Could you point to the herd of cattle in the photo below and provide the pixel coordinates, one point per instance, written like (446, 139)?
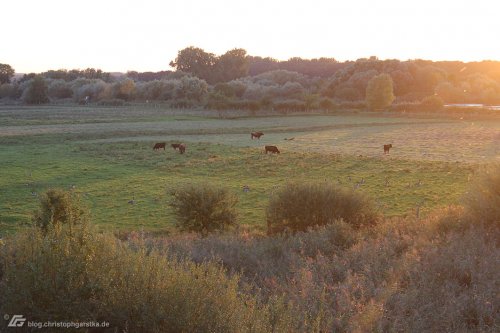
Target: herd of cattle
(271, 149)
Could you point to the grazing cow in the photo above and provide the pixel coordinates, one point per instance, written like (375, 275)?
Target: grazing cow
(175, 145)
(272, 149)
(182, 148)
(256, 135)
(159, 145)
(386, 148)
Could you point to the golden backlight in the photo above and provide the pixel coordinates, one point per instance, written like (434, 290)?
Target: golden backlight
(145, 35)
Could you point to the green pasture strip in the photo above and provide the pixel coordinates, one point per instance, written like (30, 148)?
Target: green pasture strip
(109, 175)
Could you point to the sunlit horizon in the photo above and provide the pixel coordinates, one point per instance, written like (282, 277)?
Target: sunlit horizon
(121, 36)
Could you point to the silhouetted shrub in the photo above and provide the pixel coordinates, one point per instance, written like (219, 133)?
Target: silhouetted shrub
(204, 208)
(482, 201)
(299, 206)
(58, 207)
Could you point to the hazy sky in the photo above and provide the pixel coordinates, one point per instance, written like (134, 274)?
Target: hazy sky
(146, 35)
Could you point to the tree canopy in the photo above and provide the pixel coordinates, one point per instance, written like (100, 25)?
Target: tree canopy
(6, 72)
(379, 92)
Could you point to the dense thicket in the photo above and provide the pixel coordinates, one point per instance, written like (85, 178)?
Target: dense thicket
(235, 80)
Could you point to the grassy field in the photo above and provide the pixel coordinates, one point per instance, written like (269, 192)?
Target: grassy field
(105, 155)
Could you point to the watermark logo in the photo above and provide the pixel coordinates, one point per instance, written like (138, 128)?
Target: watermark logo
(16, 321)
(20, 321)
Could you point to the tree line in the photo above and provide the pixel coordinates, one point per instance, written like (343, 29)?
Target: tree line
(236, 80)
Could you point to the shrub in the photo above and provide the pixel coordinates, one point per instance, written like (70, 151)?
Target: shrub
(58, 207)
(9, 90)
(37, 91)
(204, 208)
(482, 201)
(432, 103)
(327, 104)
(446, 287)
(299, 206)
(446, 220)
(87, 276)
(60, 89)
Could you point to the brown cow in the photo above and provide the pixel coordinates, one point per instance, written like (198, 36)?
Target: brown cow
(182, 148)
(272, 149)
(256, 135)
(386, 148)
(175, 145)
(159, 145)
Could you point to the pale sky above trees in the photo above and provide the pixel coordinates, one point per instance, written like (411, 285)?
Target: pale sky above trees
(146, 35)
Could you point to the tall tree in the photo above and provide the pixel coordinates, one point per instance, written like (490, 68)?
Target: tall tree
(231, 65)
(379, 92)
(195, 61)
(6, 72)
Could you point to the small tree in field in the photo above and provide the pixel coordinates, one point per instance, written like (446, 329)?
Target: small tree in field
(204, 208)
(57, 208)
(379, 92)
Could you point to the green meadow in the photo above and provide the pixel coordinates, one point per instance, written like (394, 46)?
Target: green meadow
(105, 155)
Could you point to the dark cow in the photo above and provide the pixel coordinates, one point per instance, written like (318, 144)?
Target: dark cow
(272, 149)
(256, 135)
(175, 145)
(386, 148)
(159, 145)
(182, 148)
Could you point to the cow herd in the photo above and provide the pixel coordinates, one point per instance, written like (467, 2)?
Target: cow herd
(177, 146)
(267, 149)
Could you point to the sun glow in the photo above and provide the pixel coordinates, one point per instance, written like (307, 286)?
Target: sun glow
(130, 35)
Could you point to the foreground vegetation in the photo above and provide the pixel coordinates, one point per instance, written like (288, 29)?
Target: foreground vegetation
(425, 275)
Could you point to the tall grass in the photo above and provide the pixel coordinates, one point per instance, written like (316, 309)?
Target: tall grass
(84, 275)
(482, 201)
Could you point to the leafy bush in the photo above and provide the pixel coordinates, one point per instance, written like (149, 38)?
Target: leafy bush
(86, 276)
(204, 208)
(58, 207)
(36, 92)
(9, 90)
(299, 206)
(59, 89)
(482, 201)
